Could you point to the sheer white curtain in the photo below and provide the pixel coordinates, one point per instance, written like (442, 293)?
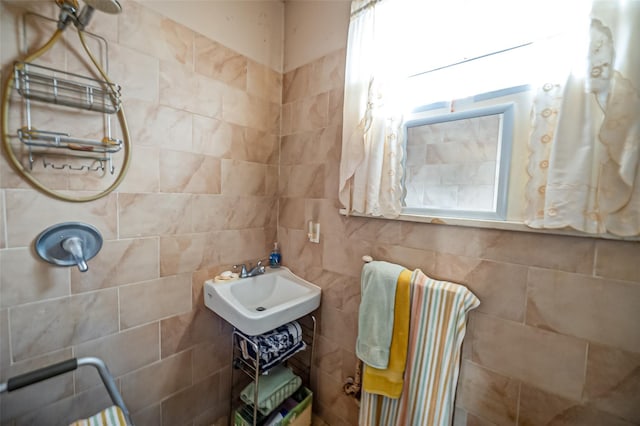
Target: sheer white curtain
(584, 165)
(370, 168)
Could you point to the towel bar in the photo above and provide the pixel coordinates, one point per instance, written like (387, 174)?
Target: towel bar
(32, 377)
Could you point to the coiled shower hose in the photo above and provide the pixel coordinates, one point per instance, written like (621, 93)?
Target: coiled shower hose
(15, 162)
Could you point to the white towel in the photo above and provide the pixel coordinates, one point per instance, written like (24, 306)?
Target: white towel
(375, 317)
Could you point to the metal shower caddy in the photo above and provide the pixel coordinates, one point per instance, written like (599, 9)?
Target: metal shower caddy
(48, 85)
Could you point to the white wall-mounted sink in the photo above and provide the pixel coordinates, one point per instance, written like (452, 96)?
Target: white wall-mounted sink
(259, 304)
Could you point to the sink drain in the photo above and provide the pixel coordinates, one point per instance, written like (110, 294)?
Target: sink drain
(261, 308)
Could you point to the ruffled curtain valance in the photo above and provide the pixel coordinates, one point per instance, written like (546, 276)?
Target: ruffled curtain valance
(584, 165)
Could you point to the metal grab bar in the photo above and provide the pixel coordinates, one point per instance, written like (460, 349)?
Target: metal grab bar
(48, 372)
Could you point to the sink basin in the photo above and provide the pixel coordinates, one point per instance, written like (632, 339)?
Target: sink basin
(259, 304)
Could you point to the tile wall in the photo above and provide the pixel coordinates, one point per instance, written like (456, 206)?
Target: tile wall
(556, 339)
(200, 195)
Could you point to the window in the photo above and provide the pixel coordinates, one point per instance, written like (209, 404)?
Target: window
(457, 164)
(573, 157)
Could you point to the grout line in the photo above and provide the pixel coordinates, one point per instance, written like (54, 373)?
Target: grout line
(518, 402)
(595, 260)
(118, 306)
(526, 296)
(9, 342)
(586, 363)
(5, 227)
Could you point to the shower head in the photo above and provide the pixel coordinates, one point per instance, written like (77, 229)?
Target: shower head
(106, 6)
(69, 11)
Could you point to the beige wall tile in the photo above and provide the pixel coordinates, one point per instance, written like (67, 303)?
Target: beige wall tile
(159, 126)
(146, 31)
(616, 259)
(213, 212)
(272, 182)
(27, 278)
(311, 113)
(302, 181)
(340, 407)
(217, 61)
(149, 416)
(381, 231)
(336, 102)
(488, 395)
(136, 72)
(447, 239)
(299, 252)
(209, 358)
(501, 287)
(154, 382)
(189, 173)
(296, 83)
(181, 332)
(32, 398)
(328, 357)
(291, 213)
(344, 256)
(119, 262)
(407, 257)
(43, 327)
(154, 214)
(541, 408)
(242, 178)
(187, 253)
(258, 147)
(144, 171)
(571, 254)
(187, 404)
(242, 108)
(591, 308)
(142, 347)
(5, 353)
(11, 21)
(264, 82)
(153, 300)
(546, 360)
(243, 245)
(68, 410)
(328, 72)
(182, 89)
(3, 236)
(221, 212)
(613, 382)
(338, 326)
(312, 146)
(29, 213)
(215, 137)
(216, 416)
(286, 121)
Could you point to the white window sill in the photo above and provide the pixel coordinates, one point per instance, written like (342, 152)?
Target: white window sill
(505, 225)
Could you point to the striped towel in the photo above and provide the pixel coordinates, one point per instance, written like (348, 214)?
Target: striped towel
(437, 328)
(111, 416)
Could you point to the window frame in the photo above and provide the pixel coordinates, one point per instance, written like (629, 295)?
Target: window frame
(503, 159)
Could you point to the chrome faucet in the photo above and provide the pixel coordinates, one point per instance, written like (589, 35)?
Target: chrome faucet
(256, 270)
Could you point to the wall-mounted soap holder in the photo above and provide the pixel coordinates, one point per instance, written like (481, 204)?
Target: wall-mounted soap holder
(313, 233)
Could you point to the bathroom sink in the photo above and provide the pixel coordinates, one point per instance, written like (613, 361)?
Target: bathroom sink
(258, 304)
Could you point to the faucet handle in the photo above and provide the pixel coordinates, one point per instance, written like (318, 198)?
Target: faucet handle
(243, 269)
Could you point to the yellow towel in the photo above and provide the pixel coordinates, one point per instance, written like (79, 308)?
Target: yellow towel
(389, 382)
